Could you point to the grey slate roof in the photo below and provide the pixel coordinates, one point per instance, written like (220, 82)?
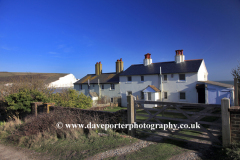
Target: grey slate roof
(103, 78)
(93, 94)
(167, 68)
(218, 84)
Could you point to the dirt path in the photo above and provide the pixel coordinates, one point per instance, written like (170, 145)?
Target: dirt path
(8, 152)
(196, 152)
(122, 150)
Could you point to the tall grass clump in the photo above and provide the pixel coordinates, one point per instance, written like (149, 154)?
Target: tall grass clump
(44, 125)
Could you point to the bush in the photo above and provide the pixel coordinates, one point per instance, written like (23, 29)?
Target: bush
(233, 152)
(71, 98)
(21, 101)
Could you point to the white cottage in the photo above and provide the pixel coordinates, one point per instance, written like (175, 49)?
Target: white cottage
(101, 84)
(173, 81)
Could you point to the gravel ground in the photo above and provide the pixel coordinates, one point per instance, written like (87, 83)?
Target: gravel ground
(123, 150)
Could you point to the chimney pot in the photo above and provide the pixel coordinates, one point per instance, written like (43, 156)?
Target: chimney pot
(120, 59)
(99, 62)
(179, 56)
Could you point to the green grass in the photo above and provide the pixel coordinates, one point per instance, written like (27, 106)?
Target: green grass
(74, 144)
(2, 123)
(83, 147)
(161, 151)
(114, 109)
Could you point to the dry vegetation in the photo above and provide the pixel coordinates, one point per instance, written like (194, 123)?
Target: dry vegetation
(12, 84)
(40, 133)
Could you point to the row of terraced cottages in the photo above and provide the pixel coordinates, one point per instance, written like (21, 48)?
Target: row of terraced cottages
(174, 81)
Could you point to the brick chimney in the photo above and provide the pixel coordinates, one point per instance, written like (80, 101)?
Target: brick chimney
(98, 68)
(179, 57)
(119, 65)
(147, 59)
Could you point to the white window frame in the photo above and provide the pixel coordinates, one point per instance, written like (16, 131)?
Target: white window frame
(184, 77)
(130, 78)
(164, 77)
(112, 88)
(142, 95)
(149, 93)
(128, 92)
(184, 95)
(141, 78)
(166, 95)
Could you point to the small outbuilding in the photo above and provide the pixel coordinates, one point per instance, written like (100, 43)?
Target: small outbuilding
(210, 92)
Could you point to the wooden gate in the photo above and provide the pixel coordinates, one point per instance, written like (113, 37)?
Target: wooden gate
(186, 117)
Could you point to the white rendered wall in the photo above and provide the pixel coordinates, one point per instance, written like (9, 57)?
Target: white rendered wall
(66, 81)
(202, 72)
(173, 87)
(155, 97)
(107, 91)
(136, 86)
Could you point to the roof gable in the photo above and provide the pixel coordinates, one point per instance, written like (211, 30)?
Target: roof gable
(151, 88)
(166, 67)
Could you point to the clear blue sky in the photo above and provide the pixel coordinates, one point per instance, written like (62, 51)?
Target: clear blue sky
(70, 36)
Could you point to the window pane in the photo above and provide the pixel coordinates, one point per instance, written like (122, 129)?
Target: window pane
(149, 96)
(165, 95)
(129, 78)
(112, 86)
(142, 78)
(182, 95)
(165, 78)
(182, 77)
(142, 95)
(102, 86)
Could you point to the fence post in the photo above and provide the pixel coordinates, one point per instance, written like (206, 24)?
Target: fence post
(130, 111)
(226, 132)
(34, 107)
(47, 105)
(236, 92)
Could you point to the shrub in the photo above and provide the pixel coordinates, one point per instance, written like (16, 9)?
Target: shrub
(21, 101)
(233, 152)
(71, 98)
